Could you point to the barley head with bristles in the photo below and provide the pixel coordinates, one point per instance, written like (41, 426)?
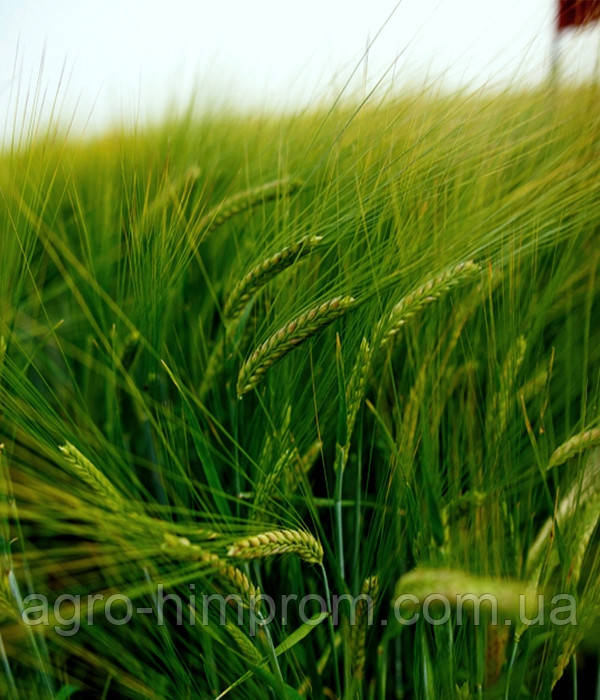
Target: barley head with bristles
(267, 544)
(243, 643)
(569, 647)
(258, 276)
(243, 201)
(574, 446)
(355, 391)
(535, 384)
(91, 474)
(182, 548)
(358, 634)
(512, 596)
(287, 338)
(424, 295)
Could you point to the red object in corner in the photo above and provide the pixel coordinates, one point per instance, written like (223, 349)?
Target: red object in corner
(575, 13)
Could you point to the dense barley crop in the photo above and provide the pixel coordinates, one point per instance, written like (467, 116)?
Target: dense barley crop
(343, 353)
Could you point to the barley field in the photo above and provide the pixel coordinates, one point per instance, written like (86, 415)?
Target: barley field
(279, 392)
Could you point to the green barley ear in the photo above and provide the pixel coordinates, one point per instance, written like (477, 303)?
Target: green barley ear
(364, 614)
(455, 585)
(260, 275)
(424, 295)
(357, 383)
(574, 446)
(353, 394)
(568, 649)
(535, 384)
(243, 643)
(91, 474)
(181, 548)
(287, 338)
(267, 544)
(242, 201)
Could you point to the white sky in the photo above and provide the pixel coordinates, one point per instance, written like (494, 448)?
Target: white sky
(125, 59)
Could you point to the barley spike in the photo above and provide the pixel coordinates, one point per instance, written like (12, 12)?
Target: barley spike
(416, 300)
(242, 201)
(287, 338)
(358, 635)
(578, 443)
(182, 548)
(90, 473)
(267, 544)
(258, 276)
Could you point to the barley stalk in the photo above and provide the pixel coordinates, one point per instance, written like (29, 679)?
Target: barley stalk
(245, 200)
(287, 338)
(267, 544)
(358, 635)
(247, 287)
(91, 474)
(578, 443)
(182, 548)
(418, 299)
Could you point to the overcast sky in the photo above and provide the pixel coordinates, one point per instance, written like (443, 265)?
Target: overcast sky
(124, 60)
